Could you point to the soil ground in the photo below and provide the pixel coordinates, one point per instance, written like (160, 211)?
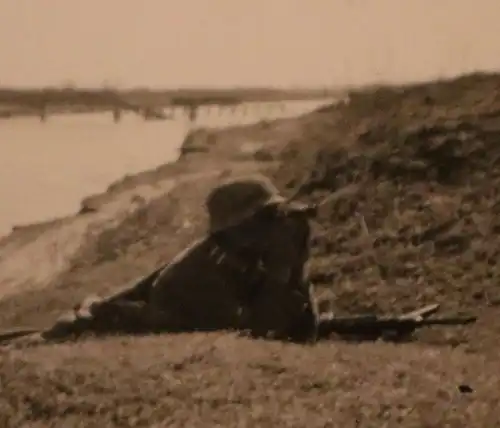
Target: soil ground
(419, 165)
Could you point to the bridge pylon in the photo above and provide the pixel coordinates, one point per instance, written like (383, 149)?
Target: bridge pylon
(117, 114)
(43, 113)
(192, 112)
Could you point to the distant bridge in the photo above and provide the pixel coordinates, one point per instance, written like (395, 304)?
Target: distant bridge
(151, 105)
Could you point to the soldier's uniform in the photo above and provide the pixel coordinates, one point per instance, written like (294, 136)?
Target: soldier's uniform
(248, 273)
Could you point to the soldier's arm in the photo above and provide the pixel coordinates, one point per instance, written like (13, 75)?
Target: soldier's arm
(284, 308)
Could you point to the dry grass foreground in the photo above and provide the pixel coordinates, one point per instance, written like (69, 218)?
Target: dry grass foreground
(219, 380)
(421, 164)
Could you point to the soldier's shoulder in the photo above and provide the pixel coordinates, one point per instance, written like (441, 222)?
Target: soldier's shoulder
(197, 250)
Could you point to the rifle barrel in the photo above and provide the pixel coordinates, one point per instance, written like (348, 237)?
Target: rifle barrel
(448, 321)
(362, 325)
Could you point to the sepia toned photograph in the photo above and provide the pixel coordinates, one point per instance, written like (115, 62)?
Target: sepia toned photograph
(281, 213)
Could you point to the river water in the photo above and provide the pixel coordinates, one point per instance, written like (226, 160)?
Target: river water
(46, 169)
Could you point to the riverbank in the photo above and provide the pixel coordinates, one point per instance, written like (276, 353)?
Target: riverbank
(56, 244)
(421, 166)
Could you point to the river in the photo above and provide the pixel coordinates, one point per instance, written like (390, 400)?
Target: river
(46, 169)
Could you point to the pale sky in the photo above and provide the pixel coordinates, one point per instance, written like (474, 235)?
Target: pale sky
(166, 43)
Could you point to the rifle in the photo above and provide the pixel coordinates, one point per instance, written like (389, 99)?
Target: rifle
(395, 327)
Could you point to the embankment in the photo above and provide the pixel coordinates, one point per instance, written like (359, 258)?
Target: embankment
(416, 221)
(419, 166)
(54, 251)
